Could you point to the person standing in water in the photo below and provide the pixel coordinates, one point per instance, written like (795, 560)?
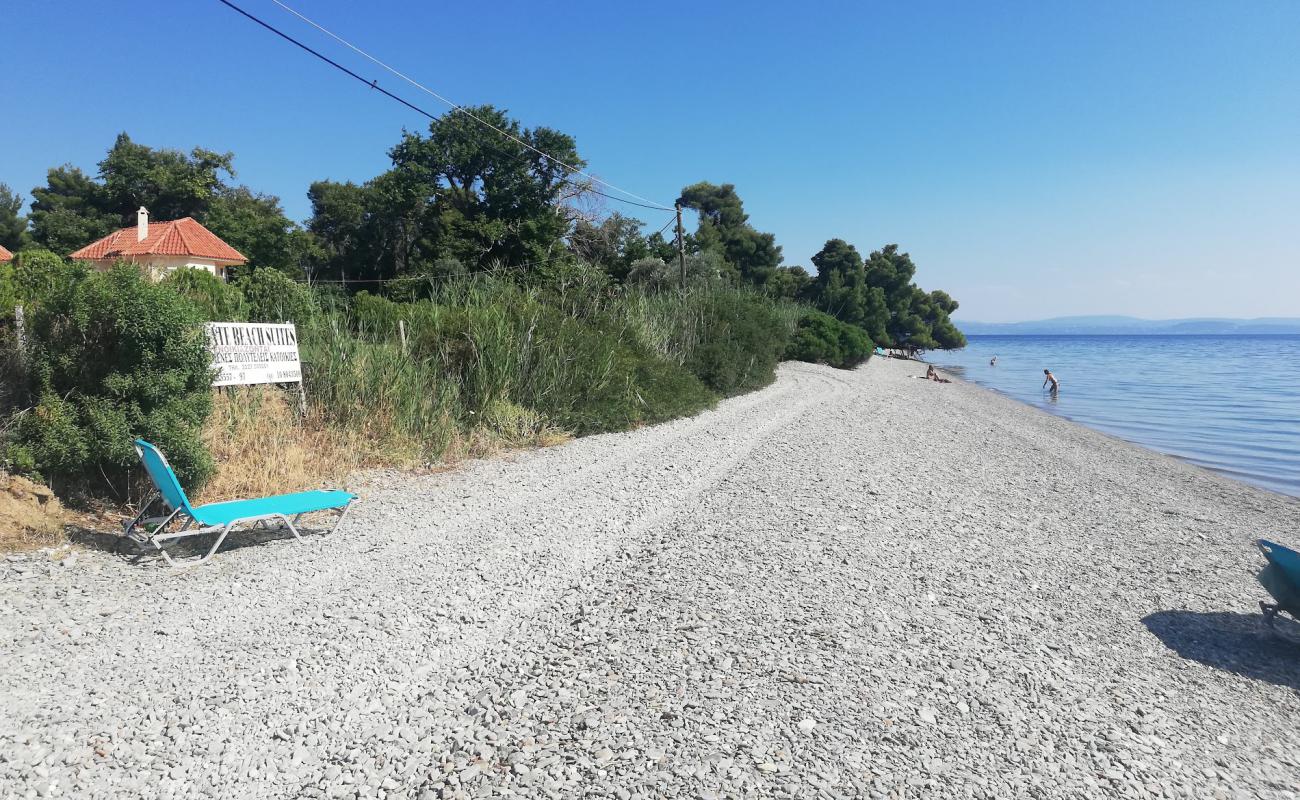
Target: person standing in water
(993, 362)
(1056, 385)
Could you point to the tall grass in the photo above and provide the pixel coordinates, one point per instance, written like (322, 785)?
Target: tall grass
(731, 338)
(482, 363)
(262, 445)
(487, 362)
(404, 410)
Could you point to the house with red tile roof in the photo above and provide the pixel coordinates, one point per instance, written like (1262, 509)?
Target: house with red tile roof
(163, 247)
(5, 255)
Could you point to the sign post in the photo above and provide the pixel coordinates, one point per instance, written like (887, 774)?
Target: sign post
(249, 353)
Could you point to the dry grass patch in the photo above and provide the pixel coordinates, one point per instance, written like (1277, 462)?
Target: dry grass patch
(262, 445)
(30, 515)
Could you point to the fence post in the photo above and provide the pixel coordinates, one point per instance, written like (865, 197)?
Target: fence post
(21, 333)
(401, 332)
(22, 389)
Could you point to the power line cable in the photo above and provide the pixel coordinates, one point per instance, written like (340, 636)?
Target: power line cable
(629, 202)
(457, 107)
(447, 276)
(374, 84)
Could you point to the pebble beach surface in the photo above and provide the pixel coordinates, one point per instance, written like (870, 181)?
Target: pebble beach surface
(849, 584)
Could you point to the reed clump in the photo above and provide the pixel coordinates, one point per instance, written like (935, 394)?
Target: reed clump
(427, 374)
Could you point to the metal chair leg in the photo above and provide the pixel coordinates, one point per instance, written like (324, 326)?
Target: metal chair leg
(165, 555)
(288, 524)
(1270, 613)
(342, 516)
(128, 527)
(224, 531)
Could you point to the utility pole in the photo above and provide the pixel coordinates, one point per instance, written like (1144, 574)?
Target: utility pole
(681, 244)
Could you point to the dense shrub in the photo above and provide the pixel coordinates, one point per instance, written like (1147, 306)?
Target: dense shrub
(744, 337)
(272, 296)
(33, 274)
(40, 272)
(823, 339)
(570, 282)
(8, 291)
(112, 357)
(216, 300)
(13, 388)
(702, 269)
(731, 339)
(498, 343)
(376, 316)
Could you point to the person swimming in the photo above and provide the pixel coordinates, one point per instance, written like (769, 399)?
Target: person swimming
(1056, 385)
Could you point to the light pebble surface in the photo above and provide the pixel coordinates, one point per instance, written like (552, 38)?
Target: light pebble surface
(850, 584)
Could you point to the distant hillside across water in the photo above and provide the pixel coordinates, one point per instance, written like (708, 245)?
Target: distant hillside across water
(1133, 326)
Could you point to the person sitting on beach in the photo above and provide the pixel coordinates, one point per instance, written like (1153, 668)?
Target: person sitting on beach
(1056, 385)
(931, 374)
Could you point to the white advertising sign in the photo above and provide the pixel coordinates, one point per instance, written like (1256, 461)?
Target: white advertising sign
(245, 353)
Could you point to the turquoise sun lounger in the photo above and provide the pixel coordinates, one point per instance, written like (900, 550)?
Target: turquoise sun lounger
(1281, 577)
(217, 517)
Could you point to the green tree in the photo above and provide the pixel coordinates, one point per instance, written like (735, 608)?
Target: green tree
(170, 183)
(255, 225)
(13, 224)
(339, 225)
(841, 289)
(73, 209)
(934, 310)
(68, 212)
(724, 225)
(665, 249)
(915, 318)
(613, 245)
(793, 283)
(477, 196)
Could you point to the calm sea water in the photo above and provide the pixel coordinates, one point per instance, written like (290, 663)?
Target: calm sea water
(1227, 403)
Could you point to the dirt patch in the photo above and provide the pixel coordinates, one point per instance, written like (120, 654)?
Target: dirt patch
(30, 515)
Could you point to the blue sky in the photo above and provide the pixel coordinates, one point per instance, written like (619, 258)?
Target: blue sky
(1036, 159)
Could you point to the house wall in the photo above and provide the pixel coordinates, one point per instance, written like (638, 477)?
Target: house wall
(158, 267)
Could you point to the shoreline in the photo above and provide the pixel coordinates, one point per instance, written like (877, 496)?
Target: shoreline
(852, 583)
(1221, 474)
(1197, 399)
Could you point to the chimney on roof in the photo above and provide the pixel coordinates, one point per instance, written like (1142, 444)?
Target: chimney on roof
(142, 224)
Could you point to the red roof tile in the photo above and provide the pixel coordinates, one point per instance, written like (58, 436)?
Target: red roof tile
(5, 255)
(182, 237)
